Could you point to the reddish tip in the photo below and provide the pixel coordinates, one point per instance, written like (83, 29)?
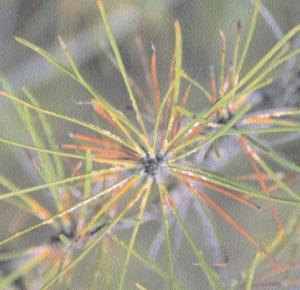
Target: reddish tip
(177, 24)
(62, 43)
(238, 27)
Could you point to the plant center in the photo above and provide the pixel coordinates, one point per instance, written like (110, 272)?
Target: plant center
(151, 165)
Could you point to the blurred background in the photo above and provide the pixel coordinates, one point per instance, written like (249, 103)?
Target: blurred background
(137, 25)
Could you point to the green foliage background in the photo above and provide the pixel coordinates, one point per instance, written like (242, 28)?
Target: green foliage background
(78, 22)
